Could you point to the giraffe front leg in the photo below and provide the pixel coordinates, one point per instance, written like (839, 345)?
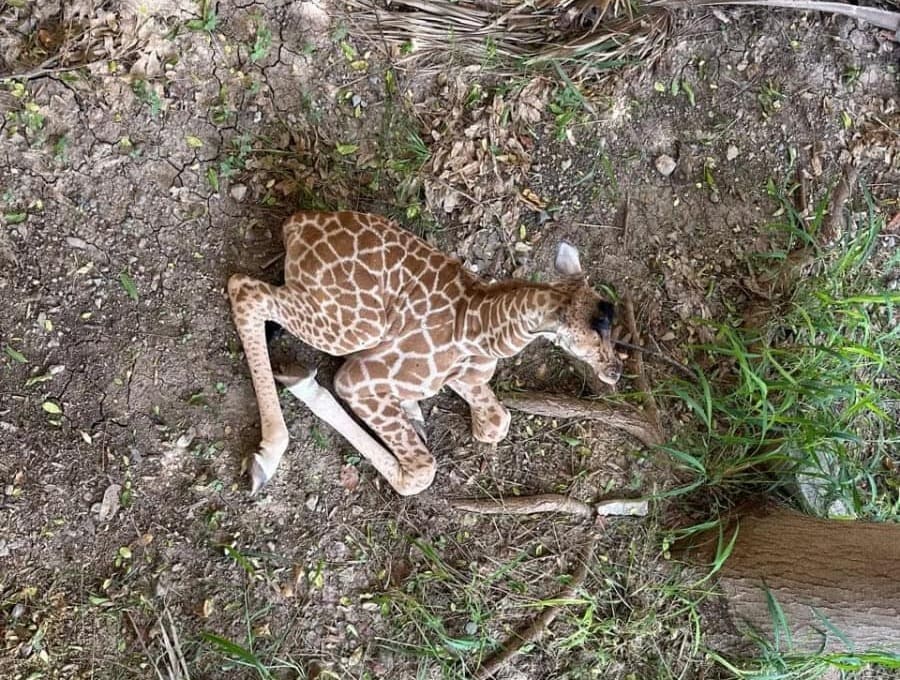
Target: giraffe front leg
(414, 414)
(252, 304)
(387, 416)
(490, 419)
(301, 382)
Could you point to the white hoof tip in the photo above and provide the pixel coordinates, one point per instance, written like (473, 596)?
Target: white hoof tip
(258, 475)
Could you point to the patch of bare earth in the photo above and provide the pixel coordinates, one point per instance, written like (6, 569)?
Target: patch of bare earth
(156, 150)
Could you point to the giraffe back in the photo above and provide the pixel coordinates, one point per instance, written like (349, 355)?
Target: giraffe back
(368, 279)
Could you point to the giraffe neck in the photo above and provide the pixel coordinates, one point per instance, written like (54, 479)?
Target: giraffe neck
(502, 318)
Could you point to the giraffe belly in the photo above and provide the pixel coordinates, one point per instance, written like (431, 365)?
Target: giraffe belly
(339, 303)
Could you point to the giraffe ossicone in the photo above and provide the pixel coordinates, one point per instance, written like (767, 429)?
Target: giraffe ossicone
(410, 320)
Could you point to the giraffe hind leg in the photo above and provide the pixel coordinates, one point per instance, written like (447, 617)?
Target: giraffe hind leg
(253, 303)
(386, 417)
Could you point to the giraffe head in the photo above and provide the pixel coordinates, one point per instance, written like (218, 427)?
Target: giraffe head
(584, 327)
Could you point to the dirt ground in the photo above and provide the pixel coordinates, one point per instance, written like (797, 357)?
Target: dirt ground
(133, 187)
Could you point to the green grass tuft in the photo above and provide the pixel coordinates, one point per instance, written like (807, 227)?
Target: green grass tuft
(810, 400)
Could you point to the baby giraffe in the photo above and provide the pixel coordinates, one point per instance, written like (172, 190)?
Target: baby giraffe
(410, 320)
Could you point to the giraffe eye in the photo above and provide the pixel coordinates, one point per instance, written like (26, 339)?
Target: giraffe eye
(602, 319)
(600, 324)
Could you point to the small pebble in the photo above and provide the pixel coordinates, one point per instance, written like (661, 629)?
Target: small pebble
(732, 152)
(238, 192)
(665, 165)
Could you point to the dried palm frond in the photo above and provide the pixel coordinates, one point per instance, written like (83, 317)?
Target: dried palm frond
(610, 32)
(587, 36)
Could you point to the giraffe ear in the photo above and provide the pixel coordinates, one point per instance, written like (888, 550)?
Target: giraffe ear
(567, 262)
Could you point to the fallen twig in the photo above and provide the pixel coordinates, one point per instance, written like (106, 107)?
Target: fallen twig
(560, 406)
(49, 67)
(539, 626)
(178, 669)
(139, 636)
(275, 259)
(638, 362)
(175, 667)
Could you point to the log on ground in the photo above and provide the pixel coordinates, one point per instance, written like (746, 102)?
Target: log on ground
(844, 572)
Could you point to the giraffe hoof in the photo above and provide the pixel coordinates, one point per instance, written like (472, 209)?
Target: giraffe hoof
(260, 473)
(264, 463)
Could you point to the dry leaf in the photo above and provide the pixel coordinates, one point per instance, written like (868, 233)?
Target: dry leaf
(533, 200)
(349, 477)
(109, 506)
(207, 609)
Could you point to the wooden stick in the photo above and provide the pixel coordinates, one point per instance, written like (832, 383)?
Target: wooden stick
(561, 406)
(539, 626)
(638, 362)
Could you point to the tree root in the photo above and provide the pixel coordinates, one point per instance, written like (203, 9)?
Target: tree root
(637, 362)
(779, 282)
(560, 406)
(550, 502)
(525, 505)
(536, 629)
(830, 230)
